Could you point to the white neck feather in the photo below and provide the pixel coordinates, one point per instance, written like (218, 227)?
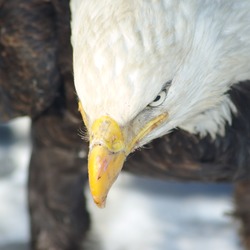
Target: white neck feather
(212, 122)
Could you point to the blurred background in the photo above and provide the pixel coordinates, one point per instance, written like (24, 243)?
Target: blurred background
(140, 213)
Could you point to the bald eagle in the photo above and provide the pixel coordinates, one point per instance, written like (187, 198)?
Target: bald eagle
(172, 72)
(144, 68)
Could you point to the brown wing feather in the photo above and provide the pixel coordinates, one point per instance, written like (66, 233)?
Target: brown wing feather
(29, 74)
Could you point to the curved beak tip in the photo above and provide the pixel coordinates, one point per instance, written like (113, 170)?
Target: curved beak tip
(103, 169)
(101, 203)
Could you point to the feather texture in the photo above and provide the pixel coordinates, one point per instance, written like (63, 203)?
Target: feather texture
(125, 51)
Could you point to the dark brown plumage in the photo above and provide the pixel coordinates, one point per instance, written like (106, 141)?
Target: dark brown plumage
(36, 80)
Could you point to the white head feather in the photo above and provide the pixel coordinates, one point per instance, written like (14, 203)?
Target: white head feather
(124, 51)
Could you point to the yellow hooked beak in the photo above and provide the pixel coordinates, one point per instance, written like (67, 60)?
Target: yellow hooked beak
(108, 151)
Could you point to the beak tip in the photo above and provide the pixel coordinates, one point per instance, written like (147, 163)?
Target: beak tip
(101, 202)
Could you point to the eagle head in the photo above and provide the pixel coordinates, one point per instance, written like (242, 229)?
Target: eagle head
(143, 68)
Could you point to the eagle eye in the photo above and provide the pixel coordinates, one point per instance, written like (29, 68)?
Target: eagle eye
(160, 98)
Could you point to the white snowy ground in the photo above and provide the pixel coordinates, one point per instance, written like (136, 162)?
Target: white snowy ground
(141, 214)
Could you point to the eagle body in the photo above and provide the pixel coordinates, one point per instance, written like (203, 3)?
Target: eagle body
(175, 73)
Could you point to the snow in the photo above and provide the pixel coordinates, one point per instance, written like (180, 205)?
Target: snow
(140, 213)
(180, 217)
(15, 151)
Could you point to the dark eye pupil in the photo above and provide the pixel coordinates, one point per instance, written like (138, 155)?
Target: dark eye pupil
(157, 98)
